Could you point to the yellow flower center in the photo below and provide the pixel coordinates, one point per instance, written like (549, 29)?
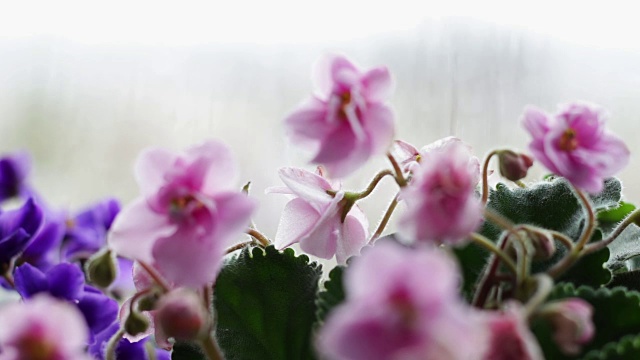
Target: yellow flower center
(568, 141)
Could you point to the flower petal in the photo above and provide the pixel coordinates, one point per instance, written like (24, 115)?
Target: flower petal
(296, 221)
(66, 281)
(377, 84)
(306, 185)
(30, 281)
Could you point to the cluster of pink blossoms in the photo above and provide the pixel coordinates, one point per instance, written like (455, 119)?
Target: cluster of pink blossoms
(402, 301)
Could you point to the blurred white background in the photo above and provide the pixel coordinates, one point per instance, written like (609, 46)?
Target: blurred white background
(84, 86)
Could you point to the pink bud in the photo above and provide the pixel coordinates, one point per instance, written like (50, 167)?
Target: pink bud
(514, 166)
(571, 320)
(509, 336)
(182, 315)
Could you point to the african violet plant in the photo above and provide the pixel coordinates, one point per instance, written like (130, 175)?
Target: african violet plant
(527, 271)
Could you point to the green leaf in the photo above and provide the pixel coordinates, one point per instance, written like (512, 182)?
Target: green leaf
(589, 270)
(616, 314)
(187, 351)
(332, 295)
(616, 214)
(624, 248)
(472, 259)
(265, 305)
(628, 348)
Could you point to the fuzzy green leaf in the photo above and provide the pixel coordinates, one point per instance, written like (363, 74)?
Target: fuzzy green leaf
(187, 351)
(265, 304)
(628, 348)
(616, 314)
(332, 295)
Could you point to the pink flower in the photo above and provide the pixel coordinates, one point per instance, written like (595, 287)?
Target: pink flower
(315, 219)
(42, 328)
(575, 144)
(571, 320)
(509, 336)
(409, 156)
(401, 304)
(441, 203)
(190, 211)
(181, 315)
(346, 122)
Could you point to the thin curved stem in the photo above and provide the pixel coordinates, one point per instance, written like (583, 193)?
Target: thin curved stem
(591, 222)
(372, 185)
(112, 344)
(544, 286)
(258, 236)
(616, 232)
(238, 246)
(564, 239)
(155, 276)
(485, 176)
(402, 182)
(489, 245)
(385, 219)
(498, 219)
(489, 277)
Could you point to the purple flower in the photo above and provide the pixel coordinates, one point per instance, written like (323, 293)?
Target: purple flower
(14, 170)
(86, 232)
(191, 210)
(401, 304)
(441, 203)
(66, 282)
(575, 144)
(42, 328)
(17, 228)
(346, 122)
(313, 218)
(125, 350)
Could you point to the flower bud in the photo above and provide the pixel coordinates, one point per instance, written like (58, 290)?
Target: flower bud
(136, 323)
(148, 302)
(101, 268)
(514, 166)
(181, 315)
(572, 324)
(542, 242)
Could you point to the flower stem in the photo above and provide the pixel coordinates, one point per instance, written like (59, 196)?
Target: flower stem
(258, 236)
(402, 182)
(564, 239)
(489, 245)
(372, 185)
(112, 344)
(489, 277)
(544, 286)
(630, 219)
(485, 177)
(155, 276)
(210, 348)
(238, 246)
(385, 219)
(498, 219)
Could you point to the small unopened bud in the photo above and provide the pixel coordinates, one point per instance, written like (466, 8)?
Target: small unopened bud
(542, 242)
(514, 166)
(572, 324)
(136, 323)
(148, 302)
(102, 269)
(182, 315)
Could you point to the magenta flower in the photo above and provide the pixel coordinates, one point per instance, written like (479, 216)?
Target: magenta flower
(41, 329)
(190, 211)
(575, 144)
(314, 218)
(409, 156)
(441, 203)
(346, 122)
(572, 323)
(509, 336)
(401, 303)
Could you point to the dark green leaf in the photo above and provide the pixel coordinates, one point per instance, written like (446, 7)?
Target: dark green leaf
(616, 314)
(265, 304)
(472, 259)
(332, 295)
(616, 214)
(590, 270)
(187, 351)
(628, 348)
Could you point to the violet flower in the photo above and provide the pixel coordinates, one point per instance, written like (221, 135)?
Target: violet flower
(575, 144)
(14, 169)
(66, 282)
(347, 121)
(86, 232)
(17, 228)
(125, 350)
